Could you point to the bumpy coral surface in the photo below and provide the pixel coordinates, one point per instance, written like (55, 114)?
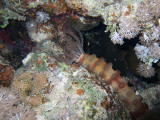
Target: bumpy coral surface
(30, 87)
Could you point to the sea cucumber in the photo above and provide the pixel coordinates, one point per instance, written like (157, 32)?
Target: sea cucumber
(74, 50)
(112, 78)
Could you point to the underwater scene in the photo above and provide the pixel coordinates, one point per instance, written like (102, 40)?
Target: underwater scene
(79, 59)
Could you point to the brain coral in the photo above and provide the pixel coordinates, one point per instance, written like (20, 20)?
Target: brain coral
(30, 87)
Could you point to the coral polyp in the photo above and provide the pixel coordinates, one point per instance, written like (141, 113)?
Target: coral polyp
(145, 70)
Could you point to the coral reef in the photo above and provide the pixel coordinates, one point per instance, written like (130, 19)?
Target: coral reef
(54, 25)
(42, 17)
(137, 17)
(127, 19)
(41, 30)
(30, 87)
(116, 38)
(11, 109)
(105, 71)
(111, 77)
(129, 30)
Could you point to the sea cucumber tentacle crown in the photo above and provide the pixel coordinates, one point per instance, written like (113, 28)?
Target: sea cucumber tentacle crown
(112, 78)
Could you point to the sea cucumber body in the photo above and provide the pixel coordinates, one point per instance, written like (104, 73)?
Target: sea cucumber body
(113, 78)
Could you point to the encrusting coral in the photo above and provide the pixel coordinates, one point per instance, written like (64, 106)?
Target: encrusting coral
(30, 87)
(12, 109)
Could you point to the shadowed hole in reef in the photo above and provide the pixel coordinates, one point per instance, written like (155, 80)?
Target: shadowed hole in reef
(16, 43)
(123, 57)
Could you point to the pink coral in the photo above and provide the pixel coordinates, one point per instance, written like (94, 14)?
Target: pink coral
(155, 7)
(145, 70)
(154, 51)
(143, 12)
(129, 28)
(116, 38)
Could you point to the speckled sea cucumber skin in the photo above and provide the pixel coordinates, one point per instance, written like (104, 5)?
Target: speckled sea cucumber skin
(113, 78)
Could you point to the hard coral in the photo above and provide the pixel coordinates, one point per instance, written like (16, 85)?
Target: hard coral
(30, 87)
